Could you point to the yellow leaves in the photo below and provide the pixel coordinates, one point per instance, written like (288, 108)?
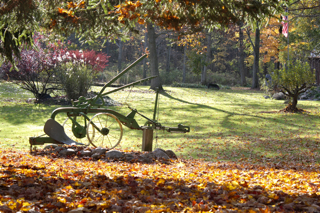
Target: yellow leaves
(65, 12)
(61, 199)
(270, 40)
(192, 175)
(232, 185)
(144, 192)
(72, 5)
(273, 196)
(188, 185)
(161, 181)
(127, 11)
(250, 197)
(141, 21)
(19, 204)
(61, 10)
(138, 4)
(194, 41)
(104, 205)
(169, 187)
(180, 164)
(128, 6)
(193, 199)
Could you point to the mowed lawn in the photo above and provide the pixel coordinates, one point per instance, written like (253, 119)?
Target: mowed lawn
(235, 124)
(241, 155)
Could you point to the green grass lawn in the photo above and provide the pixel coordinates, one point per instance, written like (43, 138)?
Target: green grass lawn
(226, 125)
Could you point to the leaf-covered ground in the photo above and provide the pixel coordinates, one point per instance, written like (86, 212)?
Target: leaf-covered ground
(257, 159)
(38, 183)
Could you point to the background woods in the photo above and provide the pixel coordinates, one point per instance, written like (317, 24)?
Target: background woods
(189, 42)
(116, 24)
(241, 154)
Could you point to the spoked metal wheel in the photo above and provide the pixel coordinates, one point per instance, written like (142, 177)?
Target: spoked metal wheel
(67, 125)
(104, 130)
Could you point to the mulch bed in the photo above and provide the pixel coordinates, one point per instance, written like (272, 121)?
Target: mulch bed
(290, 109)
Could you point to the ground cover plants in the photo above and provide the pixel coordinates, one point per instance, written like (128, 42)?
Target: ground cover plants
(241, 155)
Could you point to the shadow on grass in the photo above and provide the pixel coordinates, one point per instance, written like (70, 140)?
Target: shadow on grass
(229, 94)
(229, 114)
(22, 113)
(286, 151)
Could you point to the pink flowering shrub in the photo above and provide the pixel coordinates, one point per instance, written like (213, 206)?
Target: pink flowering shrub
(39, 68)
(77, 70)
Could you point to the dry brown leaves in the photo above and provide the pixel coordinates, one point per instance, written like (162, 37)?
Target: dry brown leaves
(45, 183)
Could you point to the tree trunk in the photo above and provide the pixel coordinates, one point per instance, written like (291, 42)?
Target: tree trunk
(168, 58)
(243, 81)
(294, 102)
(175, 51)
(120, 58)
(184, 64)
(292, 105)
(277, 65)
(208, 59)
(107, 47)
(145, 45)
(155, 82)
(255, 80)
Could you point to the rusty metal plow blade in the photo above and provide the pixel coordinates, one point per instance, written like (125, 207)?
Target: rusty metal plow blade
(56, 132)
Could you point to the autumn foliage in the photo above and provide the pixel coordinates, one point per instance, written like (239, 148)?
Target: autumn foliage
(49, 183)
(270, 41)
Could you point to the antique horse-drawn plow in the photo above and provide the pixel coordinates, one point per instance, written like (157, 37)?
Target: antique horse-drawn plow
(104, 128)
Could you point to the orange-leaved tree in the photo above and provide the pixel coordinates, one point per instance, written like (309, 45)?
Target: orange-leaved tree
(90, 19)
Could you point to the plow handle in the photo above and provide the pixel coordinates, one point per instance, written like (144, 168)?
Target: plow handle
(121, 74)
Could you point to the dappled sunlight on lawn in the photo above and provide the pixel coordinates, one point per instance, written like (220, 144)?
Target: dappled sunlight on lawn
(241, 154)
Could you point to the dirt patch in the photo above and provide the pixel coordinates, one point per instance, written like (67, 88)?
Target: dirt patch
(286, 110)
(63, 101)
(290, 109)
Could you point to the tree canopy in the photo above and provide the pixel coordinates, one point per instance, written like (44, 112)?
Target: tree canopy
(91, 19)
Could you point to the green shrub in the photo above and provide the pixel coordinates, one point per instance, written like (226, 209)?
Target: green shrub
(249, 82)
(294, 80)
(230, 79)
(195, 61)
(76, 79)
(173, 76)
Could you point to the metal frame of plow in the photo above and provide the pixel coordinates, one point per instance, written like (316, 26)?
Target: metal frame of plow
(85, 106)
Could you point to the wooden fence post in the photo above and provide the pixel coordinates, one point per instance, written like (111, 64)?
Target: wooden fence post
(147, 138)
